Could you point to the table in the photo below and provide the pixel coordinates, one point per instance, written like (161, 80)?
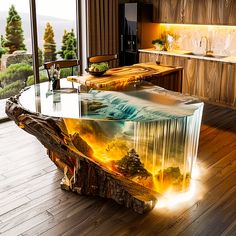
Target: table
(130, 146)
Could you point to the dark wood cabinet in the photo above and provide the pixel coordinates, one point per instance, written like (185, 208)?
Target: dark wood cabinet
(223, 12)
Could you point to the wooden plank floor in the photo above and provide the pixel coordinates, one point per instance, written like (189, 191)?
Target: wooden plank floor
(32, 203)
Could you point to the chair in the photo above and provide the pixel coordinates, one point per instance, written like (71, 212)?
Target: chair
(62, 64)
(102, 58)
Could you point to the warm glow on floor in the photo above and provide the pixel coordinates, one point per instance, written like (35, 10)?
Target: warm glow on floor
(175, 200)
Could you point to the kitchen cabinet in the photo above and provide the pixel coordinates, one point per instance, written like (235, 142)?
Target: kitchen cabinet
(217, 12)
(197, 11)
(211, 80)
(147, 57)
(223, 12)
(156, 10)
(228, 84)
(190, 76)
(168, 11)
(164, 60)
(202, 78)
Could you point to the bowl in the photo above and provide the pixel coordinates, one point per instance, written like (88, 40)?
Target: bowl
(95, 73)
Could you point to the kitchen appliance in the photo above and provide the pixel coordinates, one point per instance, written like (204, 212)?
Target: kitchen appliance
(132, 18)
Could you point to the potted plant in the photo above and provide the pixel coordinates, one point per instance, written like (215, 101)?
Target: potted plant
(159, 44)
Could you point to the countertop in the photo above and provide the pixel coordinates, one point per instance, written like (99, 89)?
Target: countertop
(120, 77)
(146, 103)
(182, 53)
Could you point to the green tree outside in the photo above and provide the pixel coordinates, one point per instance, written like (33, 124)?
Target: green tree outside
(49, 44)
(14, 32)
(68, 48)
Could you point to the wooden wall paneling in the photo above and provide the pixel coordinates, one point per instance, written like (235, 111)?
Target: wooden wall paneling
(110, 30)
(197, 11)
(98, 28)
(223, 12)
(103, 27)
(228, 84)
(91, 31)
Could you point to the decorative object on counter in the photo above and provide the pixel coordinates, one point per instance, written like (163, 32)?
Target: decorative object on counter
(128, 146)
(55, 75)
(166, 42)
(97, 69)
(159, 44)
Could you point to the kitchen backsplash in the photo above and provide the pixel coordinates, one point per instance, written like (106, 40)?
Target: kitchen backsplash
(221, 38)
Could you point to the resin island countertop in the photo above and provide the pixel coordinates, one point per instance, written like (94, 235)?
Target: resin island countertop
(145, 102)
(130, 146)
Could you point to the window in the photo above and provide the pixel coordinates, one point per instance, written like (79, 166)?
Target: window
(56, 24)
(15, 49)
(57, 39)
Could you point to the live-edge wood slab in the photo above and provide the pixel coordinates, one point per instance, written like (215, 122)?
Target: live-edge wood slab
(81, 173)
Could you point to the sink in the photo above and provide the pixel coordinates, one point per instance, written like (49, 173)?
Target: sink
(204, 55)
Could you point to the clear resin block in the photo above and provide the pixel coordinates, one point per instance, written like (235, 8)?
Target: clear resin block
(150, 135)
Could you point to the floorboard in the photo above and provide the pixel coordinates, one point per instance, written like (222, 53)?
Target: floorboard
(32, 203)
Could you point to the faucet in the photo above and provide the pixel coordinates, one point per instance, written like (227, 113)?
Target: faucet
(208, 50)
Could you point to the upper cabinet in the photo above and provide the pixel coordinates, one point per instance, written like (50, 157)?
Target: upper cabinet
(217, 12)
(223, 12)
(171, 11)
(197, 11)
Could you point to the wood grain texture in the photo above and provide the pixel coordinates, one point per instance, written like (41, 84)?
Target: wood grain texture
(223, 12)
(210, 80)
(216, 12)
(123, 78)
(197, 11)
(102, 33)
(228, 84)
(51, 211)
(171, 11)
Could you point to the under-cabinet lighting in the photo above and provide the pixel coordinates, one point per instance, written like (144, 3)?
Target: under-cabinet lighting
(197, 25)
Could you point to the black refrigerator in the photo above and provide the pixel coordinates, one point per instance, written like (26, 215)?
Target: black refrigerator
(132, 17)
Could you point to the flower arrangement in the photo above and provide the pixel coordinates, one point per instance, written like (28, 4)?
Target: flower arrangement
(165, 42)
(160, 43)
